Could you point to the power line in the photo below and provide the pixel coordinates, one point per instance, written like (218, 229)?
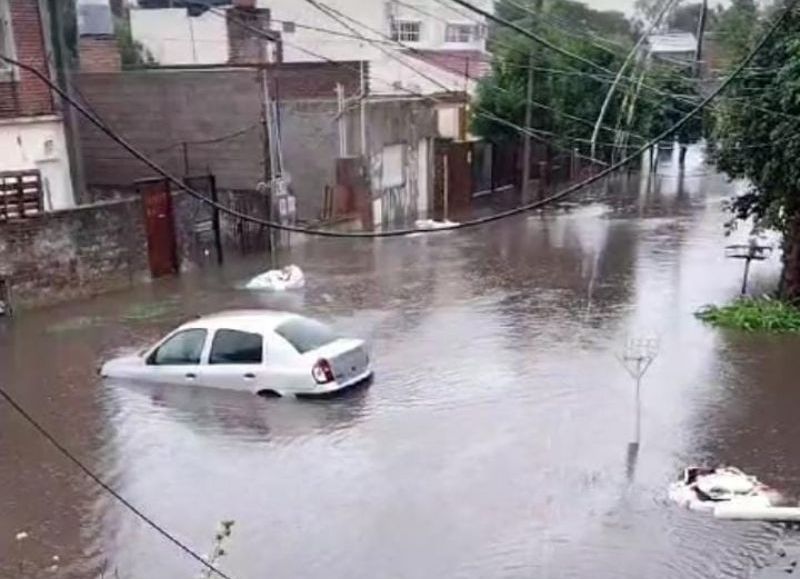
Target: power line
(409, 231)
(535, 103)
(102, 484)
(338, 16)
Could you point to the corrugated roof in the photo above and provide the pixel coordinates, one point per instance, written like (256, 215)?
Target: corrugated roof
(471, 63)
(675, 42)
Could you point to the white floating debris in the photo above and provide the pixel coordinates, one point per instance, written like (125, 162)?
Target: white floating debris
(430, 224)
(708, 489)
(289, 278)
(735, 512)
(21, 536)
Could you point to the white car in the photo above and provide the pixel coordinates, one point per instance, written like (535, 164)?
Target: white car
(258, 351)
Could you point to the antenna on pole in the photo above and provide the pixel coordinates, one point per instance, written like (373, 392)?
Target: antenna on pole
(636, 358)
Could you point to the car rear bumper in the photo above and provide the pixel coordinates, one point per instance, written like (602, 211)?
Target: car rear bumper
(327, 390)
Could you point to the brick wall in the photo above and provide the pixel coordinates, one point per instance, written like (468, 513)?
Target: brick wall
(218, 113)
(74, 253)
(245, 47)
(99, 54)
(317, 80)
(25, 94)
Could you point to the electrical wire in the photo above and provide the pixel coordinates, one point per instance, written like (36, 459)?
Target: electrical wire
(581, 185)
(535, 103)
(338, 16)
(100, 482)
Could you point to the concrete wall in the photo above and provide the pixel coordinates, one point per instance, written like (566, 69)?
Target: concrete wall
(73, 253)
(217, 112)
(39, 143)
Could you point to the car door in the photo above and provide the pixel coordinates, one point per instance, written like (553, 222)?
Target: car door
(235, 360)
(177, 359)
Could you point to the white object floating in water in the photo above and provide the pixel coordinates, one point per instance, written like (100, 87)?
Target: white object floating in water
(430, 224)
(707, 489)
(736, 512)
(289, 278)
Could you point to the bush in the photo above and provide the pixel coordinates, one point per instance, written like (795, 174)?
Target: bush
(749, 314)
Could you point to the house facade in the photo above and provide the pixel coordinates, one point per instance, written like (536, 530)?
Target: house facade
(445, 44)
(34, 161)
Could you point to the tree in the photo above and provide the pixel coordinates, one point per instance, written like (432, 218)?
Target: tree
(761, 146)
(570, 94)
(132, 53)
(735, 28)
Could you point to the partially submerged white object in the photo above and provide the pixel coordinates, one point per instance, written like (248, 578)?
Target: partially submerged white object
(430, 224)
(706, 489)
(736, 512)
(288, 278)
(257, 351)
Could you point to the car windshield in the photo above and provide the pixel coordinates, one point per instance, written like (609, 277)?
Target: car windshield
(305, 335)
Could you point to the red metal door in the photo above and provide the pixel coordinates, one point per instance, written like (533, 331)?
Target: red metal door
(161, 246)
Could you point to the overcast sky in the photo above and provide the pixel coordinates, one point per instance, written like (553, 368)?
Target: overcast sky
(627, 5)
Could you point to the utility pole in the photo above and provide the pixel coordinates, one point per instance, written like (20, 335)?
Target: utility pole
(526, 144)
(701, 31)
(628, 59)
(363, 112)
(342, 120)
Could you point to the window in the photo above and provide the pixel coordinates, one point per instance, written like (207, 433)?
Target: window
(183, 348)
(287, 27)
(6, 37)
(461, 33)
(305, 335)
(233, 347)
(406, 30)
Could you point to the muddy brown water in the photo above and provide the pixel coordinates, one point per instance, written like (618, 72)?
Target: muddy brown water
(492, 442)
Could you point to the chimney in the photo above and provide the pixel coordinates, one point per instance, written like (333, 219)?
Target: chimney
(245, 46)
(97, 44)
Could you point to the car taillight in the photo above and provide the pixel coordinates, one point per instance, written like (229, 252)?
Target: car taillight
(322, 372)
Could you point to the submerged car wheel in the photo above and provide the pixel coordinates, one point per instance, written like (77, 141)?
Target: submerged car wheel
(268, 394)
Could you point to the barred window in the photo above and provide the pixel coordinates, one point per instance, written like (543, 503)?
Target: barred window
(406, 30)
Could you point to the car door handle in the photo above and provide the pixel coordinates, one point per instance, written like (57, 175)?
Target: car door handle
(191, 375)
(249, 376)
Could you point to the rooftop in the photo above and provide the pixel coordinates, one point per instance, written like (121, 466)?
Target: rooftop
(672, 43)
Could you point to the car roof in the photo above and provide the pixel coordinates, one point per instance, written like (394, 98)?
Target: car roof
(245, 320)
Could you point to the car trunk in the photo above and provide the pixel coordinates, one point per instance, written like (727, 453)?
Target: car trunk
(348, 358)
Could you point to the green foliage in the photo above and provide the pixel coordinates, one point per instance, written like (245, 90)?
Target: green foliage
(572, 92)
(763, 314)
(735, 29)
(755, 126)
(132, 53)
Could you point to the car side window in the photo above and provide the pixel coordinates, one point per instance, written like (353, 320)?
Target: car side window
(184, 348)
(235, 347)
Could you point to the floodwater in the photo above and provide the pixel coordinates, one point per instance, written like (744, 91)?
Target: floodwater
(492, 443)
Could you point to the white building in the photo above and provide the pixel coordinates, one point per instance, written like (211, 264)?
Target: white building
(33, 150)
(446, 44)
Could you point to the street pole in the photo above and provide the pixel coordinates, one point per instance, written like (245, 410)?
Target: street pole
(526, 146)
(701, 30)
(342, 120)
(363, 112)
(628, 59)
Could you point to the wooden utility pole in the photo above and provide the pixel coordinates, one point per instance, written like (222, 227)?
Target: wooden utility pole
(526, 145)
(701, 31)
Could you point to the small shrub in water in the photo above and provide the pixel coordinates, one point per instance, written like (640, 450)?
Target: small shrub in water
(753, 315)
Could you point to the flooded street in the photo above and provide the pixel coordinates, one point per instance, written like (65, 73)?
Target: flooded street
(492, 442)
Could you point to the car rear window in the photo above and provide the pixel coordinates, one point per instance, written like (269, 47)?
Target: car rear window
(234, 347)
(305, 335)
